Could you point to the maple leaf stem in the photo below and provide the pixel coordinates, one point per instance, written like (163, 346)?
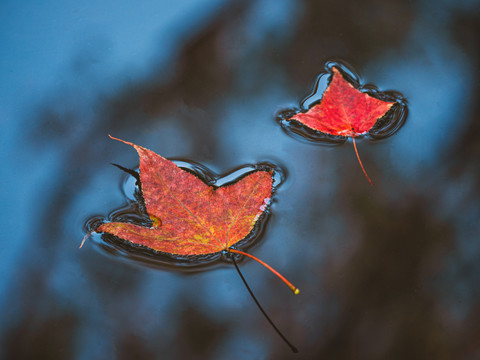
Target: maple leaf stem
(85, 238)
(360, 161)
(295, 290)
(293, 348)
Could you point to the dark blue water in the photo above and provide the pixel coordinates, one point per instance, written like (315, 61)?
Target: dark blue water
(385, 272)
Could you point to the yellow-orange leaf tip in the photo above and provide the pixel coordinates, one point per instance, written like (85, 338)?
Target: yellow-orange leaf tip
(85, 238)
(297, 291)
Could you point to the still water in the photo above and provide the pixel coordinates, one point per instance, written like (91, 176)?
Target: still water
(385, 272)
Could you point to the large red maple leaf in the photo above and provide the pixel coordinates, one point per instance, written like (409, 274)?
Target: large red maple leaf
(191, 217)
(195, 218)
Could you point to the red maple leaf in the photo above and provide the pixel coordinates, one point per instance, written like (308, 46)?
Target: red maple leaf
(344, 111)
(191, 217)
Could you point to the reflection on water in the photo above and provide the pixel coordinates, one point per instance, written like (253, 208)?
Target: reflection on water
(385, 272)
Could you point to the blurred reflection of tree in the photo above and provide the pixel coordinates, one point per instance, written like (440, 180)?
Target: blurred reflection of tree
(467, 29)
(386, 291)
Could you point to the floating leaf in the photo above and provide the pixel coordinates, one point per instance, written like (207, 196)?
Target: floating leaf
(191, 218)
(346, 111)
(196, 218)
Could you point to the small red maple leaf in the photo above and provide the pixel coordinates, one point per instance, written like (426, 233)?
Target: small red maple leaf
(191, 217)
(345, 111)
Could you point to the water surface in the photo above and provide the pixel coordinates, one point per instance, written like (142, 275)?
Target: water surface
(385, 272)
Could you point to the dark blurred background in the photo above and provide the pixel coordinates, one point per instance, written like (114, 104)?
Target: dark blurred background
(385, 272)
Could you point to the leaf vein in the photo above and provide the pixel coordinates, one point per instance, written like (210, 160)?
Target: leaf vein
(182, 204)
(239, 212)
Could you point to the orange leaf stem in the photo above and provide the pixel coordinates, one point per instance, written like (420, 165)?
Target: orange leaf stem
(360, 161)
(289, 284)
